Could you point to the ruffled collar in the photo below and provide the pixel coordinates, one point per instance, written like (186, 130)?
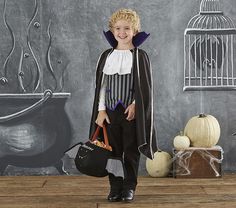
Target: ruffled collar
(118, 62)
(138, 39)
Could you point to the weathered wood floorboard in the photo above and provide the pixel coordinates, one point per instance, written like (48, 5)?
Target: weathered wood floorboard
(89, 192)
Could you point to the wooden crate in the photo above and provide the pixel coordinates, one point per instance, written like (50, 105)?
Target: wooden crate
(198, 162)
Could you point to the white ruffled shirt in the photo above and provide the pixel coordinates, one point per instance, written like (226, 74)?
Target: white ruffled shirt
(118, 62)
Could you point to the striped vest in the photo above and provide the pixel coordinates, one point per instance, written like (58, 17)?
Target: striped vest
(119, 90)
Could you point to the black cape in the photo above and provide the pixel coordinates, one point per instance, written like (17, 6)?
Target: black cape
(146, 137)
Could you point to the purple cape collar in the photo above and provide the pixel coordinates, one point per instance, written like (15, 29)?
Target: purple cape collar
(138, 39)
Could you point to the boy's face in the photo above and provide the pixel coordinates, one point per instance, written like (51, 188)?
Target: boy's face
(123, 32)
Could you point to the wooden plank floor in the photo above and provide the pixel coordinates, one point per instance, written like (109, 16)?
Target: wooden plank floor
(89, 192)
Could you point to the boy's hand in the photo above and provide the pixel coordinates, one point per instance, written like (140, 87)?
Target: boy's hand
(102, 116)
(131, 112)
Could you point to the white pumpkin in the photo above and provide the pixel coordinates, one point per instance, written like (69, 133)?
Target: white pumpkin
(203, 131)
(181, 142)
(160, 165)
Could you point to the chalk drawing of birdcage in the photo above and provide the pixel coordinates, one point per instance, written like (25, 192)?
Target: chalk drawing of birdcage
(209, 50)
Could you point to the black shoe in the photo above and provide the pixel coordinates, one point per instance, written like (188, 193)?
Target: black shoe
(127, 195)
(114, 196)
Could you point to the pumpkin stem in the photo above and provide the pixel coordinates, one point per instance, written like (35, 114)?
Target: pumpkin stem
(201, 115)
(181, 133)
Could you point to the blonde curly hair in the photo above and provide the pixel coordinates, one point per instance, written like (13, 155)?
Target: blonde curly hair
(128, 15)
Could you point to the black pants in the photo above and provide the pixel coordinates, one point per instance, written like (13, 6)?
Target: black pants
(122, 138)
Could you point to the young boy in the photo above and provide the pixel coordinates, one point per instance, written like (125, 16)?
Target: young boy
(124, 100)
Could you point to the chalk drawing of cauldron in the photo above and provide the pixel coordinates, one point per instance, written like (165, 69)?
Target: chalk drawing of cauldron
(34, 130)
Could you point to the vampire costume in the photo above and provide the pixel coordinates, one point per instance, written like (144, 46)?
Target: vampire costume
(143, 94)
(128, 79)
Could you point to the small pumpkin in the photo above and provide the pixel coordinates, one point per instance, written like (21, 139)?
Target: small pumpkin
(160, 165)
(181, 142)
(203, 131)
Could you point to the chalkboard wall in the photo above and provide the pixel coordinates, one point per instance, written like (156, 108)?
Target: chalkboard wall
(75, 28)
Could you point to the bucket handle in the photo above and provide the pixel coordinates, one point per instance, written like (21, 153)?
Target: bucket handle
(46, 95)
